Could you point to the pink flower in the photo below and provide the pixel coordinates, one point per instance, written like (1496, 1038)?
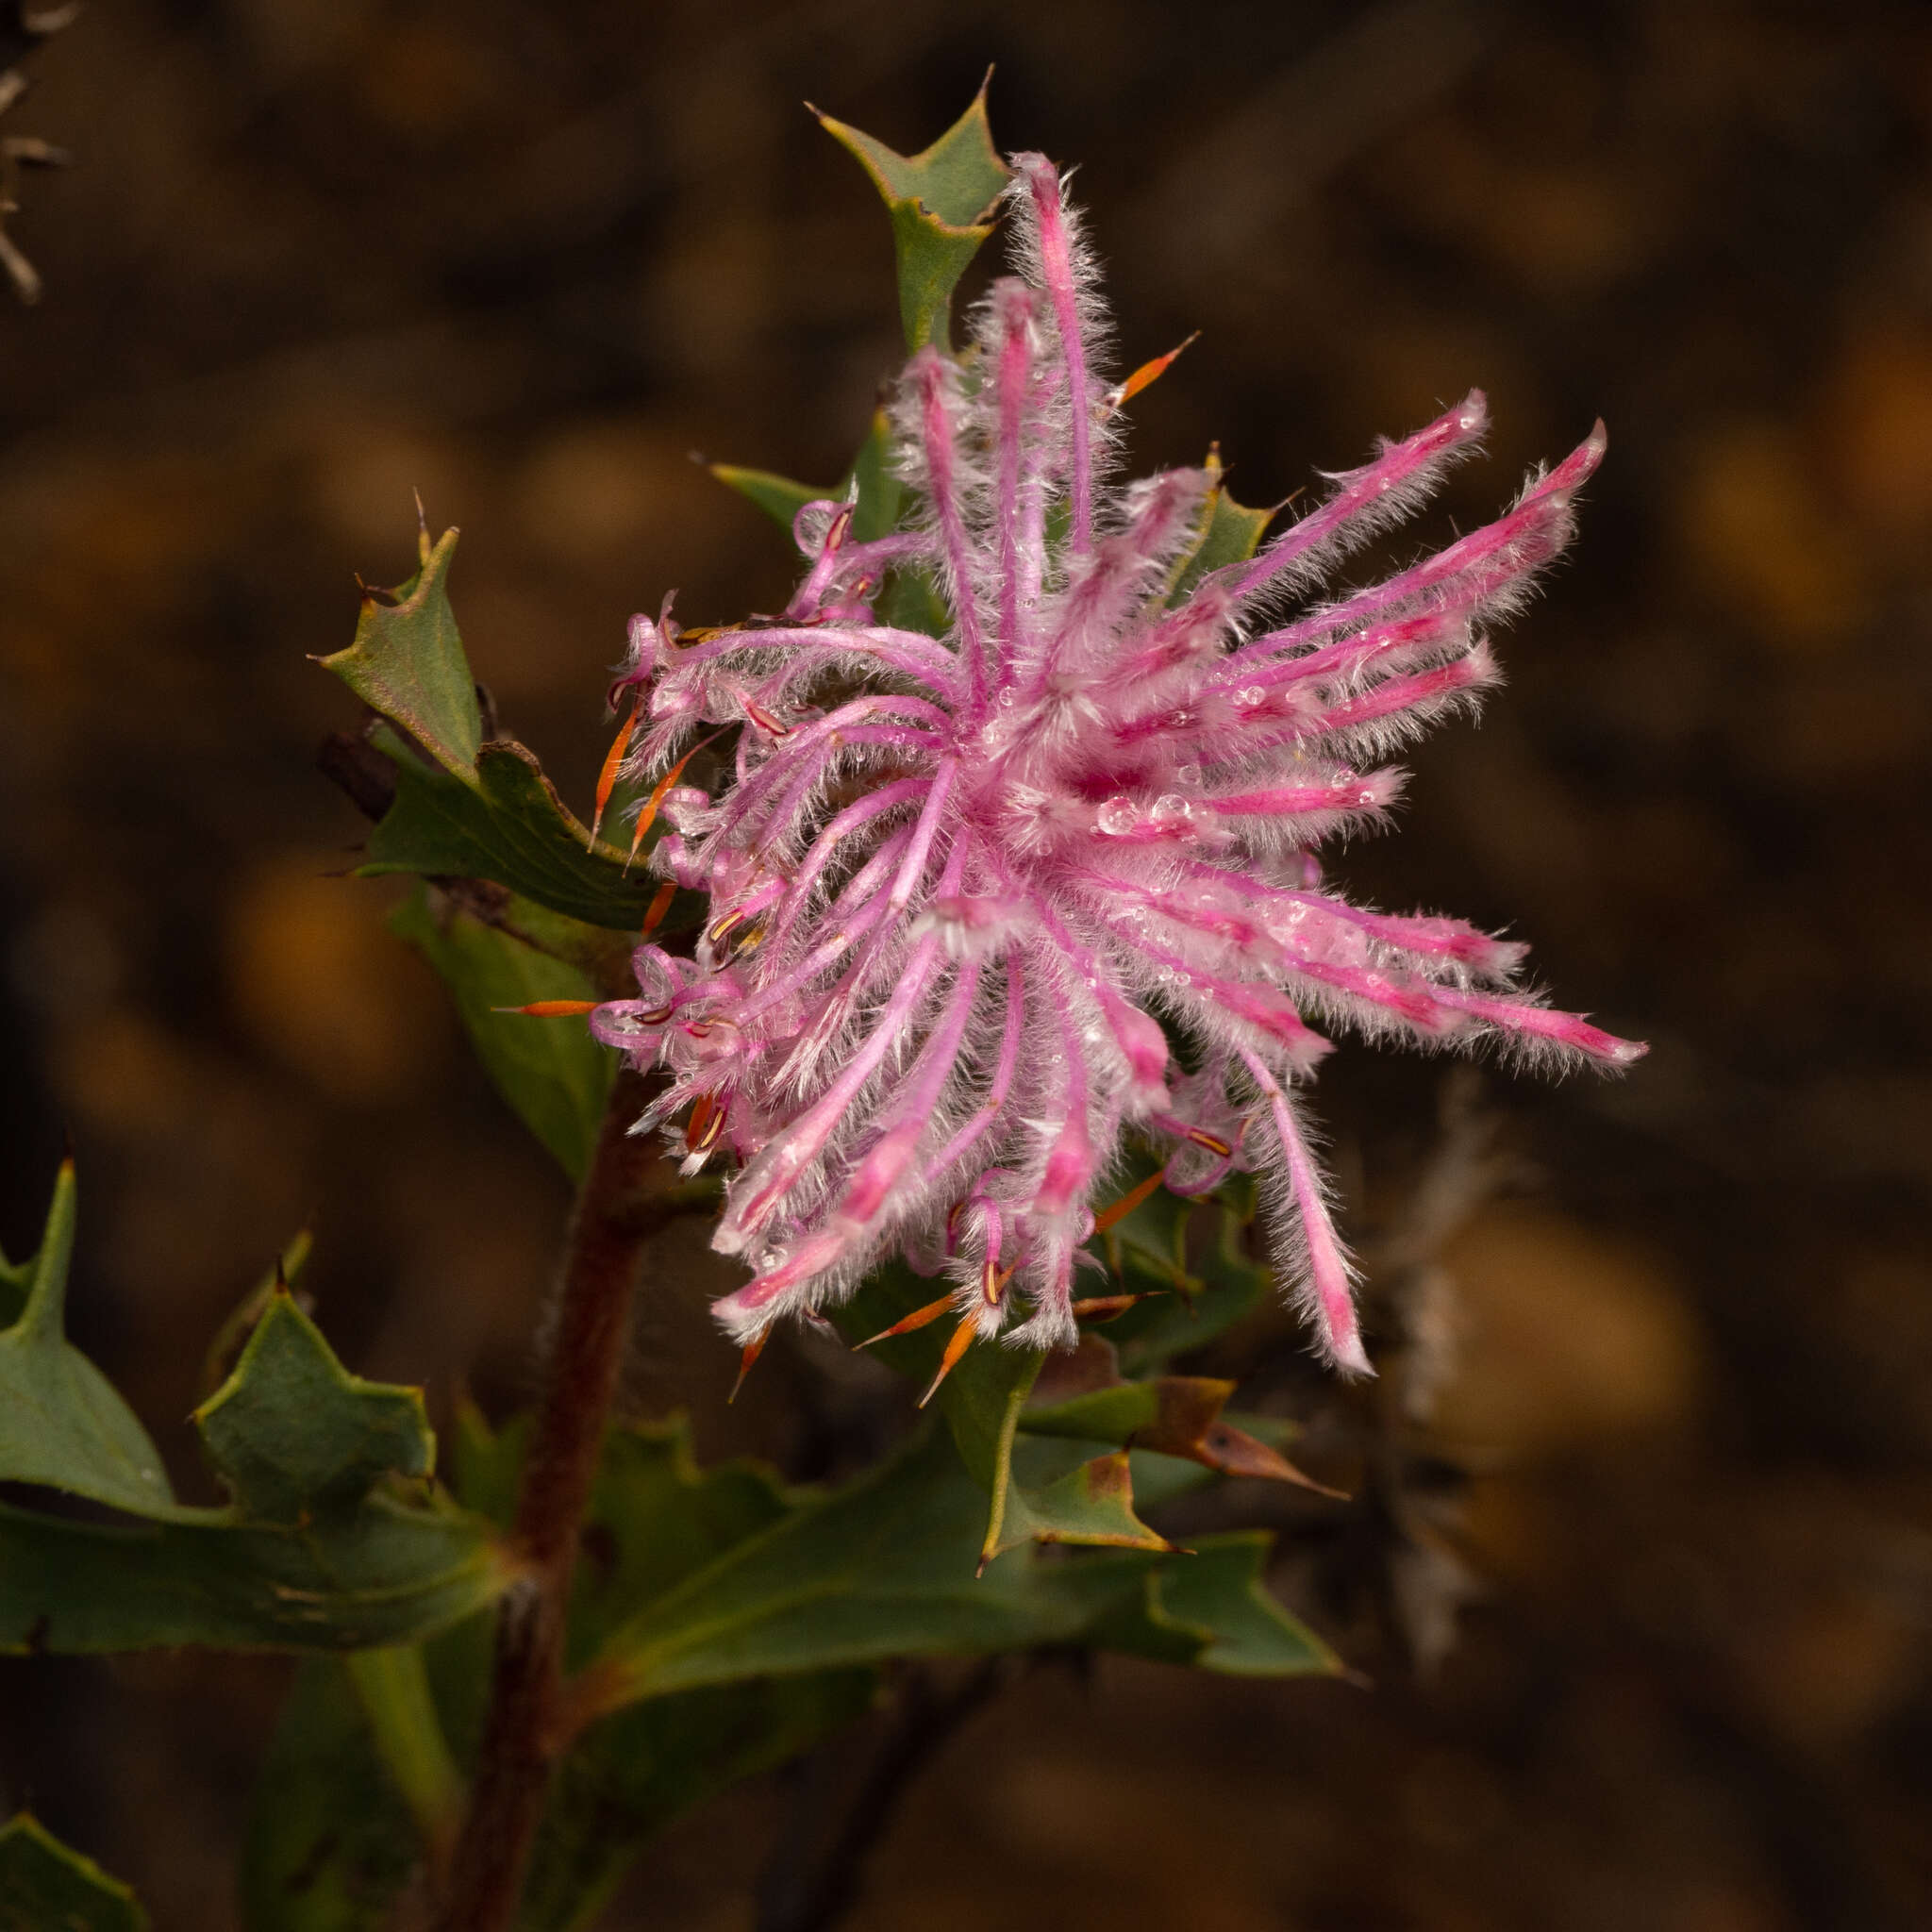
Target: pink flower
(964, 889)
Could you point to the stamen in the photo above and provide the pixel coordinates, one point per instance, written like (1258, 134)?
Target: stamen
(1104, 1307)
(962, 1341)
(614, 760)
(1143, 377)
(647, 817)
(1119, 1210)
(660, 905)
(908, 1324)
(552, 1009)
(752, 1352)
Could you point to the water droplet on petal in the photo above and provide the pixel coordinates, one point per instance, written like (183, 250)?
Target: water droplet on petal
(1116, 816)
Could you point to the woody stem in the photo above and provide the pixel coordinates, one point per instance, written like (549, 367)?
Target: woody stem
(617, 1210)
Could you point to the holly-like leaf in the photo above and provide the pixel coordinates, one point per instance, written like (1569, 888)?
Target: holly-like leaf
(389, 1573)
(982, 1400)
(408, 663)
(940, 201)
(334, 1540)
(331, 1845)
(555, 1075)
(61, 1424)
(882, 1568)
(47, 1887)
(509, 824)
(296, 1436)
(1211, 1610)
(1175, 1415)
(1229, 532)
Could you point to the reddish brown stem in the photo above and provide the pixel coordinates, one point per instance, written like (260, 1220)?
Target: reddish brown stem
(616, 1212)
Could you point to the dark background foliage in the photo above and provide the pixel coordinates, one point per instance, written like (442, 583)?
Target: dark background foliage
(319, 253)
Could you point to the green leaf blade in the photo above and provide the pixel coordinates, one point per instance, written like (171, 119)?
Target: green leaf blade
(1229, 532)
(554, 1075)
(940, 201)
(47, 1887)
(406, 661)
(507, 825)
(294, 1435)
(62, 1425)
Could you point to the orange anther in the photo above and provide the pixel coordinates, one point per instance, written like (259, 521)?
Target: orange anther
(552, 1009)
(1147, 373)
(701, 1112)
(992, 1283)
(1213, 1143)
(614, 761)
(1127, 1204)
(660, 905)
(752, 1352)
(647, 817)
(917, 1319)
(962, 1341)
(1104, 1307)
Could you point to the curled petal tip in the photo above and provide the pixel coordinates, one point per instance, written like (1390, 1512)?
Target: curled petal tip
(1348, 1355)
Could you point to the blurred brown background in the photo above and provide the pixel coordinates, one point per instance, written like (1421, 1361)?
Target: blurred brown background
(317, 252)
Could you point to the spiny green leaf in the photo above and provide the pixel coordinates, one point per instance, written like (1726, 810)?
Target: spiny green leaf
(294, 1435)
(779, 497)
(1175, 1415)
(1209, 1609)
(331, 1846)
(46, 1887)
(322, 1565)
(940, 201)
(388, 1572)
(232, 1336)
(883, 1568)
(982, 1400)
(555, 1075)
(1229, 532)
(61, 1424)
(506, 823)
(408, 663)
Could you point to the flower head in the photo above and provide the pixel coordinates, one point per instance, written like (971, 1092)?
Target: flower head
(965, 889)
